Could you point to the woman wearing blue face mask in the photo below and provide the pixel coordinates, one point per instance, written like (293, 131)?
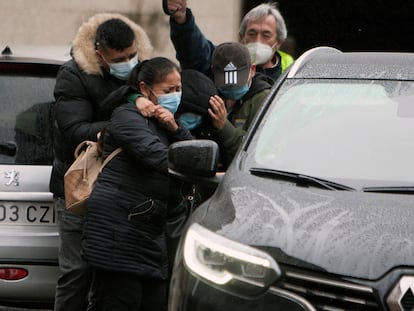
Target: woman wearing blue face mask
(164, 92)
(124, 233)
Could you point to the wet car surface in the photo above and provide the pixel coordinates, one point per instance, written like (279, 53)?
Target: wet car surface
(315, 211)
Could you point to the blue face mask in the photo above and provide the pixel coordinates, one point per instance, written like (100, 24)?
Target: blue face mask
(123, 70)
(234, 94)
(190, 120)
(170, 101)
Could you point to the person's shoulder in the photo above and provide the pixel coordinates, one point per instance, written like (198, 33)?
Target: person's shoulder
(127, 111)
(262, 79)
(69, 67)
(260, 95)
(260, 83)
(286, 57)
(126, 106)
(70, 63)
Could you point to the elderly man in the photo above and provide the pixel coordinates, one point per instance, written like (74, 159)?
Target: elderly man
(262, 30)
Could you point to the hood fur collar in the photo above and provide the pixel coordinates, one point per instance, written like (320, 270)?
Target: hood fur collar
(83, 48)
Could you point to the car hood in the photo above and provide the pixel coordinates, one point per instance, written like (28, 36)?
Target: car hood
(350, 233)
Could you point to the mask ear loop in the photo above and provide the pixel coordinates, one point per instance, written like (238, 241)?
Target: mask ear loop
(165, 8)
(155, 95)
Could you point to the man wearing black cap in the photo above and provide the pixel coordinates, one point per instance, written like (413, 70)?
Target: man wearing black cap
(223, 110)
(243, 91)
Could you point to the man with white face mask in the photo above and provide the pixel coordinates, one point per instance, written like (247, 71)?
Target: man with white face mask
(104, 51)
(262, 30)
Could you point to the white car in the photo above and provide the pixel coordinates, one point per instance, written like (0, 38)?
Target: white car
(28, 232)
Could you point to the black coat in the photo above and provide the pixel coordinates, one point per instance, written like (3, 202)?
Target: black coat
(82, 86)
(138, 174)
(80, 112)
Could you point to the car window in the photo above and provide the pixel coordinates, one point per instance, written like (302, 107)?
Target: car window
(340, 130)
(25, 127)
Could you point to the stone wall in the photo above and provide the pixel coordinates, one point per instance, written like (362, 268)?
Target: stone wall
(53, 23)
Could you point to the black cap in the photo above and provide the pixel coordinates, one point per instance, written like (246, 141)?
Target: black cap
(231, 65)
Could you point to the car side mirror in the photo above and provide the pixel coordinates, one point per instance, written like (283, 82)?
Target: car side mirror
(194, 160)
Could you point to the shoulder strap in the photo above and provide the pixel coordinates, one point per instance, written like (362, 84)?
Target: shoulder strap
(80, 146)
(110, 157)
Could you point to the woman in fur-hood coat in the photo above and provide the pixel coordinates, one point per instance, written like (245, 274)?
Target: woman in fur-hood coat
(82, 87)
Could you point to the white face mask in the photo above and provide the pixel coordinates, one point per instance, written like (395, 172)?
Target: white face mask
(123, 70)
(259, 52)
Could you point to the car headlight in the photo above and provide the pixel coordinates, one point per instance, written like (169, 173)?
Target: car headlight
(228, 265)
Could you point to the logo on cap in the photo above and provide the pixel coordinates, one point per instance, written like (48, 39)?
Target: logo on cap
(230, 74)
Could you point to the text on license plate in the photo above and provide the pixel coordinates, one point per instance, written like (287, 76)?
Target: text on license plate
(26, 213)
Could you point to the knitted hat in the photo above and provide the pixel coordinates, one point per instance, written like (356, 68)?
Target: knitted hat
(231, 65)
(197, 89)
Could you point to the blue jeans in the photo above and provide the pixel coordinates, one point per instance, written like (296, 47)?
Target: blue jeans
(74, 282)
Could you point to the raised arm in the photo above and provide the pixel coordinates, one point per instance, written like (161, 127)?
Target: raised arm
(193, 49)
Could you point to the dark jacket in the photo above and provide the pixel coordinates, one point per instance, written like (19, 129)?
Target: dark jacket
(138, 174)
(82, 86)
(238, 121)
(197, 90)
(194, 50)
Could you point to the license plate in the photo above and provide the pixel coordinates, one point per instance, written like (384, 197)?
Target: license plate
(26, 213)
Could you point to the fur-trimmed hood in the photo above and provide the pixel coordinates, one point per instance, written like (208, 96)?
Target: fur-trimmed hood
(83, 47)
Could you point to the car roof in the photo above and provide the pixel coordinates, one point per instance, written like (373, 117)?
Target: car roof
(35, 54)
(327, 62)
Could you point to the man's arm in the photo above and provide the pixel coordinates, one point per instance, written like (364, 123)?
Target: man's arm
(193, 49)
(73, 112)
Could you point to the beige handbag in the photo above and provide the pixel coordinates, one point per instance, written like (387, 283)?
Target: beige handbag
(81, 176)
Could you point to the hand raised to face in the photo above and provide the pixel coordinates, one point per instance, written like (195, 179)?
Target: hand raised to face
(165, 118)
(218, 111)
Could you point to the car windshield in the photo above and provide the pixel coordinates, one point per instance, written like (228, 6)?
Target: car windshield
(25, 128)
(356, 132)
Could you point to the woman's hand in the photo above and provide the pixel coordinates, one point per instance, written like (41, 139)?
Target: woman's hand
(165, 118)
(145, 106)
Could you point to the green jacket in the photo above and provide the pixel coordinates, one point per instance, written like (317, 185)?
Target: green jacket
(286, 59)
(240, 118)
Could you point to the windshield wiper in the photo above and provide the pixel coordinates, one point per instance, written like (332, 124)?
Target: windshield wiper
(300, 179)
(393, 189)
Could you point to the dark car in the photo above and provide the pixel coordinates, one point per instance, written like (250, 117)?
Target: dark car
(316, 210)
(28, 232)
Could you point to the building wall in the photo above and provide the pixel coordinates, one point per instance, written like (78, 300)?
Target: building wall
(54, 23)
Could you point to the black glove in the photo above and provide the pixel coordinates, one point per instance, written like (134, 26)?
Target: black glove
(165, 8)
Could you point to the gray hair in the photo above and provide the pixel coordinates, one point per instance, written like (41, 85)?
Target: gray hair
(261, 11)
